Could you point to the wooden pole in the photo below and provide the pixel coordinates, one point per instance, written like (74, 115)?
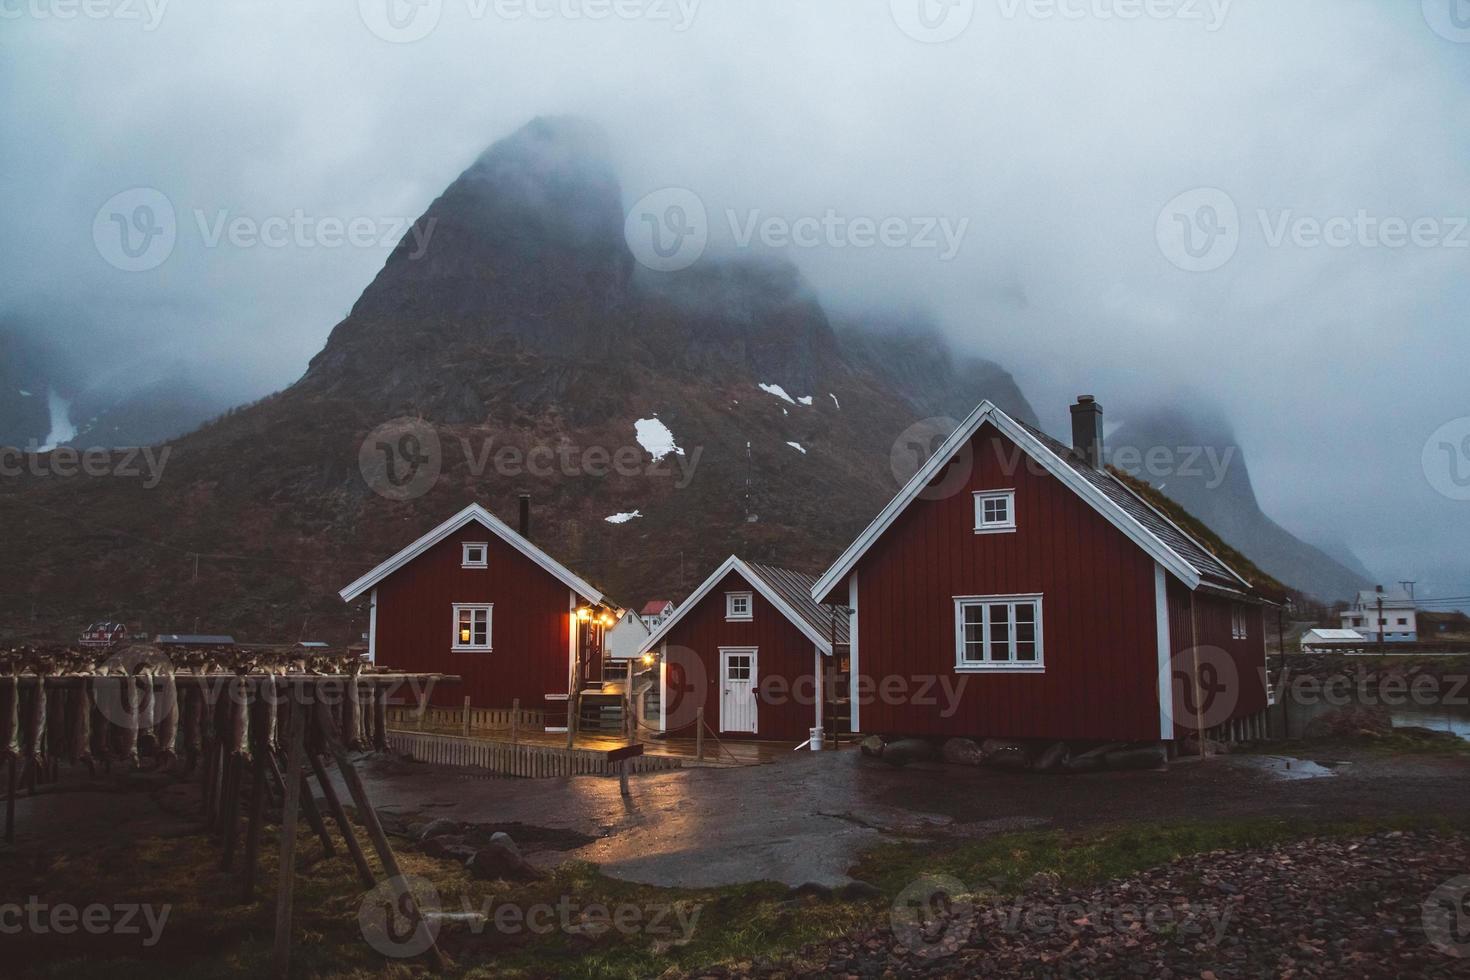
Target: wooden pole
(699, 733)
(623, 777)
(464, 718)
(374, 826)
(334, 804)
(380, 718)
(231, 822)
(257, 819)
(515, 719)
(286, 877)
(10, 785)
(424, 703)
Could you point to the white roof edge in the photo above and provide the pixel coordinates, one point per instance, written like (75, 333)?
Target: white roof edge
(734, 563)
(474, 512)
(987, 411)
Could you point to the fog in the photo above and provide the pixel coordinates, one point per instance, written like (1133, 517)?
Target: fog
(1052, 137)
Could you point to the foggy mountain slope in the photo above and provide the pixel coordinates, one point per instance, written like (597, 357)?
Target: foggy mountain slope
(514, 320)
(1206, 472)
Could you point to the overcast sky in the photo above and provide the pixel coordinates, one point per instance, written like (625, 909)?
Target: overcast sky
(1052, 140)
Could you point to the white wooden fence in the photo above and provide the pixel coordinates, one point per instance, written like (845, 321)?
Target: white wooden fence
(519, 758)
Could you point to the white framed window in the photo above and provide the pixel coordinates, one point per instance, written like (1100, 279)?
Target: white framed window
(738, 606)
(474, 554)
(1238, 622)
(472, 626)
(999, 633)
(995, 511)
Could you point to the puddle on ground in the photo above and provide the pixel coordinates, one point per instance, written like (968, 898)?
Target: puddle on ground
(1283, 766)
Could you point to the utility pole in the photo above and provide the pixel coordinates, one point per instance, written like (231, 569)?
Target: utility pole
(1408, 585)
(1380, 622)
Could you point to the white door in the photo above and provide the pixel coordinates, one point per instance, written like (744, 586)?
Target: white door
(737, 687)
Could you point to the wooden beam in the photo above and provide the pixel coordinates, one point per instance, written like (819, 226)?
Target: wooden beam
(286, 877)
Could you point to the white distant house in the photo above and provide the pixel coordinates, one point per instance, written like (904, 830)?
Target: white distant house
(1383, 616)
(625, 637)
(1333, 641)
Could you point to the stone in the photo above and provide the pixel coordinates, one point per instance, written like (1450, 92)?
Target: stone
(858, 891)
(1052, 758)
(438, 828)
(871, 746)
(907, 750)
(811, 888)
(496, 861)
(1012, 756)
(963, 752)
(437, 847)
(1143, 757)
(502, 838)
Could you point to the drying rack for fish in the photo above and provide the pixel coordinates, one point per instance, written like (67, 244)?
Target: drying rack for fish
(276, 728)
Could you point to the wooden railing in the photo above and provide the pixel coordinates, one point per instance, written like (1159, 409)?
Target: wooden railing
(520, 758)
(468, 720)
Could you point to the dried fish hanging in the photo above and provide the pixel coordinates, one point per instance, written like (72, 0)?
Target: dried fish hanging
(10, 720)
(128, 717)
(143, 678)
(57, 731)
(34, 742)
(166, 719)
(79, 721)
(189, 699)
(352, 715)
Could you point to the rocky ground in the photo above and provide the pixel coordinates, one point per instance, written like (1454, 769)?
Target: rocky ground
(1385, 905)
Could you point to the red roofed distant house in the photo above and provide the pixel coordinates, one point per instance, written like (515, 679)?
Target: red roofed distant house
(103, 634)
(656, 612)
(1053, 600)
(748, 646)
(475, 598)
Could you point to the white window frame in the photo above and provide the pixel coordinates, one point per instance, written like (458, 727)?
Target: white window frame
(731, 616)
(961, 665)
(1007, 526)
(1239, 629)
(464, 554)
(488, 608)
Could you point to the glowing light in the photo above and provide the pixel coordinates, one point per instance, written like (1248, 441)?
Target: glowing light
(464, 636)
(584, 614)
(648, 660)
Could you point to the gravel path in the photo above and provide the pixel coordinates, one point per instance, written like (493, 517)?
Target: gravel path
(1387, 905)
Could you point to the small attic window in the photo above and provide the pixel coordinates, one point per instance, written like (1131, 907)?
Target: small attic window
(995, 511)
(474, 554)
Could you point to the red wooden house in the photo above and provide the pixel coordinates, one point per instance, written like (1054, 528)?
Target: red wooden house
(748, 646)
(1033, 594)
(475, 598)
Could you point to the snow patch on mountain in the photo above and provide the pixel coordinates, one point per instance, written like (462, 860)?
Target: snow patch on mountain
(798, 447)
(622, 518)
(777, 390)
(655, 437)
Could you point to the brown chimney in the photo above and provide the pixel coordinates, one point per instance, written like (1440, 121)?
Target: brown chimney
(524, 526)
(1087, 430)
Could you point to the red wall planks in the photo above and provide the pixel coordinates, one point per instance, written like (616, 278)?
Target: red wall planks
(529, 628)
(785, 705)
(1098, 613)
